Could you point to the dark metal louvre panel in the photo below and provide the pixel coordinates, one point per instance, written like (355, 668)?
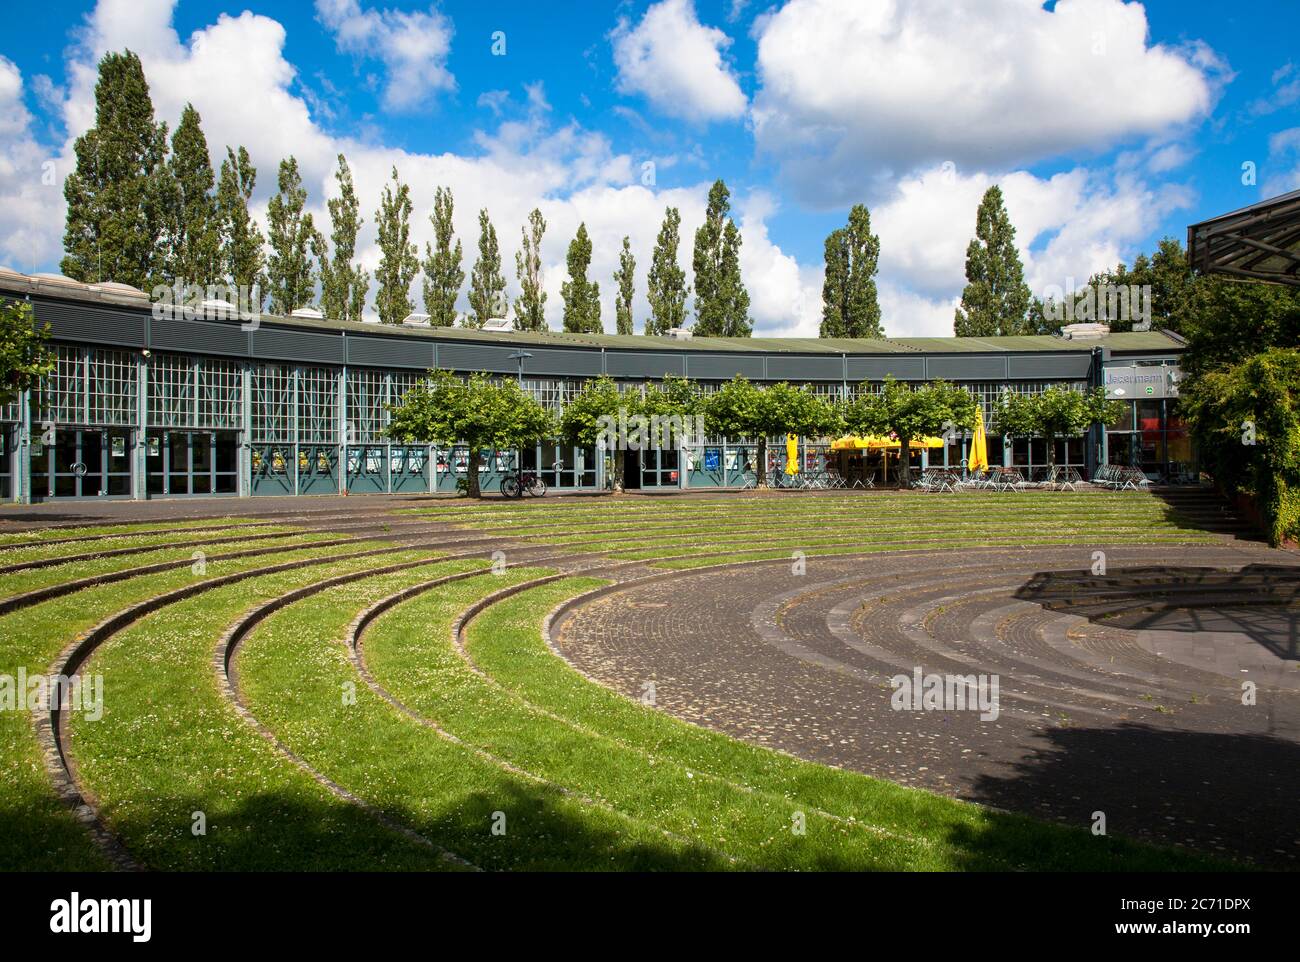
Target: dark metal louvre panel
(1047, 367)
(781, 368)
(200, 337)
(390, 351)
(298, 346)
(901, 367)
(643, 364)
(476, 357)
(966, 368)
(99, 325)
(545, 360)
(723, 367)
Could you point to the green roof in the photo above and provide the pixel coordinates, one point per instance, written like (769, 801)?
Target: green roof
(1040, 343)
(1148, 341)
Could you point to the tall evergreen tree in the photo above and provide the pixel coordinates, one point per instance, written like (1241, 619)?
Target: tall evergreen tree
(530, 307)
(192, 239)
(343, 282)
(850, 307)
(721, 301)
(581, 296)
(487, 285)
(117, 193)
(624, 280)
(291, 275)
(996, 298)
(667, 289)
(398, 257)
(442, 272)
(242, 257)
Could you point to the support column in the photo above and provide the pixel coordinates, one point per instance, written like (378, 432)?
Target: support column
(293, 428)
(140, 445)
(22, 469)
(344, 430)
(246, 431)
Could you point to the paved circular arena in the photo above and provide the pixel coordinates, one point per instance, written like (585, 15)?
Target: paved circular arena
(1159, 686)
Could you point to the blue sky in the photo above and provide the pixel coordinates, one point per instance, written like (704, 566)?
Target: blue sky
(1108, 124)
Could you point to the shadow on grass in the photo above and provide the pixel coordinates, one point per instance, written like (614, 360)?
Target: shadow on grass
(303, 832)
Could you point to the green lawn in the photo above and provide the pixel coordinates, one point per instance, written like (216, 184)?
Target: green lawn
(491, 721)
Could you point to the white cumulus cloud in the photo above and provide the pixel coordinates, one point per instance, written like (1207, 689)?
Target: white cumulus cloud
(413, 47)
(677, 63)
(855, 95)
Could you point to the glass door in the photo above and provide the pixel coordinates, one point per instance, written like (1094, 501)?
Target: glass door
(82, 463)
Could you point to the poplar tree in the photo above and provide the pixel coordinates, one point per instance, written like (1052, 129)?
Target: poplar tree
(581, 296)
(624, 280)
(530, 306)
(192, 240)
(442, 271)
(343, 282)
(242, 257)
(850, 307)
(291, 275)
(487, 285)
(667, 289)
(721, 301)
(115, 196)
(996, 298)
(398, 257)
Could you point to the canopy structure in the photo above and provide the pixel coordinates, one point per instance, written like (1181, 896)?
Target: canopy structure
(874, 442)
(1258, 243)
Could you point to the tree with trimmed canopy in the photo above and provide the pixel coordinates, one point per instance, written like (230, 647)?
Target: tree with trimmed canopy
(477, 411)
(908, 413)
(25, 354)
(740, 409)
(1058, 412)
(587, 416)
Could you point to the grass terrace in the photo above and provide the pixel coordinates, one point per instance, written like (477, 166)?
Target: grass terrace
(327, 700)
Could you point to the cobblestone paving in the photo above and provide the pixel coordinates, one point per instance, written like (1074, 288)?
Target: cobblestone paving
(1120, 693)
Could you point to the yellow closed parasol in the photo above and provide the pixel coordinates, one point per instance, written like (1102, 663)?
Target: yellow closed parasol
(978, 460)
(791, 454)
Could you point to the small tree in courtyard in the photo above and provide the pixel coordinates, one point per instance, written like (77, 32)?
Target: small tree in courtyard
(910, 413)
(25, 357)
(740, 409)
(1057, 412)
(479, 412)
(589, 414)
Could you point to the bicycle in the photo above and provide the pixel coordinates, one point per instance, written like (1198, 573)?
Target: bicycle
(515, 485)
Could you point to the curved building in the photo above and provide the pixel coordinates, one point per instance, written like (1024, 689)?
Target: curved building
(150, 401)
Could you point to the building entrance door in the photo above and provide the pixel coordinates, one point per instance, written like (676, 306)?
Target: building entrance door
(82, 463)
(192, 462)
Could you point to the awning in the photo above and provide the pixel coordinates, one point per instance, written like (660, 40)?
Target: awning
(1258, 243)
(875, 442)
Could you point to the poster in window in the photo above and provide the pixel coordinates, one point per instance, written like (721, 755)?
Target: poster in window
(155, 447)
(277, 462)
(119, 447)
(731, 460)
(257, 460)
(322, 462)
(712, 457)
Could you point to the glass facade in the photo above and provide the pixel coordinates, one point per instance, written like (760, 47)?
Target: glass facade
(208, 425)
